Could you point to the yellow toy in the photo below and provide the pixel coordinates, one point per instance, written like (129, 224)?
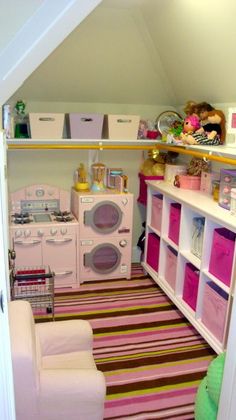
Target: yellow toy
(80, 179)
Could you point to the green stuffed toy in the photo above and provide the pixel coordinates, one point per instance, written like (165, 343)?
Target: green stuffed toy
(208, 394)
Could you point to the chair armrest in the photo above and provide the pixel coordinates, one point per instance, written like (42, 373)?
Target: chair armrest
(64, 336)
(72, 393)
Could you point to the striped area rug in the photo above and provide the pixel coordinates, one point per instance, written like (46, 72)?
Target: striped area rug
(152, 358)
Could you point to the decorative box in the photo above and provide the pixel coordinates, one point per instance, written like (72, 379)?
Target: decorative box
(121, 127)
(191, 281)
(227, 181)
(46, 126)
(222, 254)
(214, 309)
(85, 126)
(172, 170)
(189, 182)
(156, 213)
(171, 266)
(207, 179)
(153, 249)
(142, 198)
(174, 222)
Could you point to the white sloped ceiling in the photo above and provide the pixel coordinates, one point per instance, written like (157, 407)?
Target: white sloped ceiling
(160, 52)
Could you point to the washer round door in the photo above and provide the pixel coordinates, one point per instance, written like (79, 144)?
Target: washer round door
(104, 217)
(103, 259)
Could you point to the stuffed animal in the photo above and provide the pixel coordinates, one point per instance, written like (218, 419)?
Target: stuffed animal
(208, 394)
(191, 125)
(211, 133)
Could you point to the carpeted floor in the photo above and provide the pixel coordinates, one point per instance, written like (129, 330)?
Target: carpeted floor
(152, 358)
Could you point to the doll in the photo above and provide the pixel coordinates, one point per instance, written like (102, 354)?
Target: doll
(211, 133)
(190, 108)
(191, 125)
(215, 125)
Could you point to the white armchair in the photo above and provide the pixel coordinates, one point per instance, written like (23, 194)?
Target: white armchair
(55, 376)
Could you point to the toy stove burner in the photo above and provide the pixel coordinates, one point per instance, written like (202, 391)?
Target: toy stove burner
(21, 218)
(62, 216)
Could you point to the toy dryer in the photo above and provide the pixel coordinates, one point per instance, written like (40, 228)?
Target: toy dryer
(105, 241)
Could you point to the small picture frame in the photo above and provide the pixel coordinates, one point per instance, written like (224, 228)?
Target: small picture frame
(231, 125)
(231, 128)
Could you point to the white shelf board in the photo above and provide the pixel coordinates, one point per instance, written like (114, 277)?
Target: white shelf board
(191, 258)
(99, 142)
(198, 201)
(215, 150)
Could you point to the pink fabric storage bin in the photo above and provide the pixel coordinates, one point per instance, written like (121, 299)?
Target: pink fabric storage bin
(153, 249)
(156, 214)
(189, 182)
(215, 301)
(174, 222)
(85, 126)
(171, 266)
(222, 253)
(142, 198)
(191, 281)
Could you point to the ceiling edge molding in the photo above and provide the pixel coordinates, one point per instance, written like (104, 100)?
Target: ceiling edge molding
(42, 33)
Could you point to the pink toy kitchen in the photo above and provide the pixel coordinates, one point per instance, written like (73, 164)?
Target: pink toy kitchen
(81, 236)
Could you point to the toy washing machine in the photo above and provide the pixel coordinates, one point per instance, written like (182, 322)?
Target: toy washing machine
(105, 240)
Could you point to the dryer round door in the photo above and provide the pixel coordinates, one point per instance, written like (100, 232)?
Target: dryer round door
(103, 259)
(104, 217)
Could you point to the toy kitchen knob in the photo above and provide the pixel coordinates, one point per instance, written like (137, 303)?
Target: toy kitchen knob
(63, 230)
(123, 243)
(53, 231)
(40, 232)
(18, 233)
(27, 233)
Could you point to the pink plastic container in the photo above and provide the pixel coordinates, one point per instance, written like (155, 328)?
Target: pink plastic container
(222, 253)
(142, 198)
(171, 266)
(156, 214)
(153, 249)
(214, 311)
(190, 182)
(85, 126)
(174, 222)
(191, 281)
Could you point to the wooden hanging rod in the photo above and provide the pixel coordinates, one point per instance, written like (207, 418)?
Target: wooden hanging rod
(178, 149)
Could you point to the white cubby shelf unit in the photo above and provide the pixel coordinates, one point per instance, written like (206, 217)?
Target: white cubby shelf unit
(192, 204)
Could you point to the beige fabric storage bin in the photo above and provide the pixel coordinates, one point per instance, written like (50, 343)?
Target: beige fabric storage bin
(46, 125)
(121, 127)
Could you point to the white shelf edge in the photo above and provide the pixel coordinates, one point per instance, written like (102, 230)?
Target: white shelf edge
(191, 258)
(63, 141)
(216, 281)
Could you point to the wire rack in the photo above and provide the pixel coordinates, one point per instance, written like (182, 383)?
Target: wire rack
(36, 285)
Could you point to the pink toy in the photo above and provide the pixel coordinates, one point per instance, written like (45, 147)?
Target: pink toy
(191, 124)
